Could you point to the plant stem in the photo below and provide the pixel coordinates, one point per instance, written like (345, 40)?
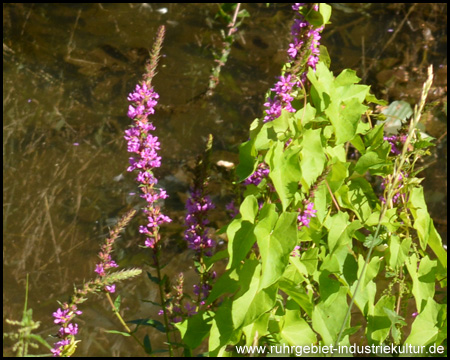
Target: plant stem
(161, 296)
(116, 312)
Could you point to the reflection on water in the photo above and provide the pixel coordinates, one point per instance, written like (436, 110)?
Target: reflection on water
(67, 71)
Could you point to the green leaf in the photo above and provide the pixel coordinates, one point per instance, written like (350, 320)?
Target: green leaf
(358, 143)
(328, 286)
(240, 240)
(305, 115)
(285, 172)
(378, 323)
(359, 197)
(227, 283)
(118, 332)
(256, 329)
(263, 302)
(424, 225)
(298, 294)
(195, 329)
(276, 248)
(328, 316)
(310, 259)
(324, 56)
(222, 328)
(373, 160)
(424, 329)
(374, 138)
(370, 241)
(423, 279)
(249, 208)
(147, 345)
(345, 117)
(322, 81)
(373, 99)
(395, 320)
(365, 296)
(347, 78)
(296, 330)
(318, 18)
(249, 278)
(337, 235)
(117, 302)
(313, 156)
(397, 251)
(149, 322)
(337, 175)
(220, 255)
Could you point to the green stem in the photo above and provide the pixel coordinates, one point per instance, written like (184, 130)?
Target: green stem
(116, 312)
(161, 297)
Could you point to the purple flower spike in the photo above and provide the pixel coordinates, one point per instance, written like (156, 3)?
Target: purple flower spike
(196, 233)
(304, 217)
(145, 147)
(303, 33)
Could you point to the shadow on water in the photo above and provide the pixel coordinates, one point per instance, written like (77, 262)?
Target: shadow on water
(67, 70)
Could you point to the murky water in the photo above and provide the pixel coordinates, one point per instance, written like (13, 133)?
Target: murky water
(67, 70)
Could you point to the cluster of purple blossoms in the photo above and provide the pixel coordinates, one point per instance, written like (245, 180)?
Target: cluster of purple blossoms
(105, 264)
(261, 172)
(396, 142)
(282, 99)
(196, 233)
(304, 217)
(303, 34)
(203, 291)
(68, 330)
(146, 145)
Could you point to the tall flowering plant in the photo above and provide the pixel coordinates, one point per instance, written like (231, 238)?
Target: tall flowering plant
(105, 281)
(324, 238)
(144, 146)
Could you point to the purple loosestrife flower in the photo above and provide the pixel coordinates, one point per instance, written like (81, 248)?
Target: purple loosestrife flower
(196, 233)
(396, 142)
(67, 330)
(260, 173)
(145, 145)
(304, 217)
(304, 35)
(282, 98)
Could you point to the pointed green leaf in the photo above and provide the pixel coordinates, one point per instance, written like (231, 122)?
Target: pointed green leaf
(249, 208)
(240, 240)
(424, 330)
(312, 155)
(296, 330)
(423, 278)
(285, 172)
(328, 316)
(276, 248)
(379, 324)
